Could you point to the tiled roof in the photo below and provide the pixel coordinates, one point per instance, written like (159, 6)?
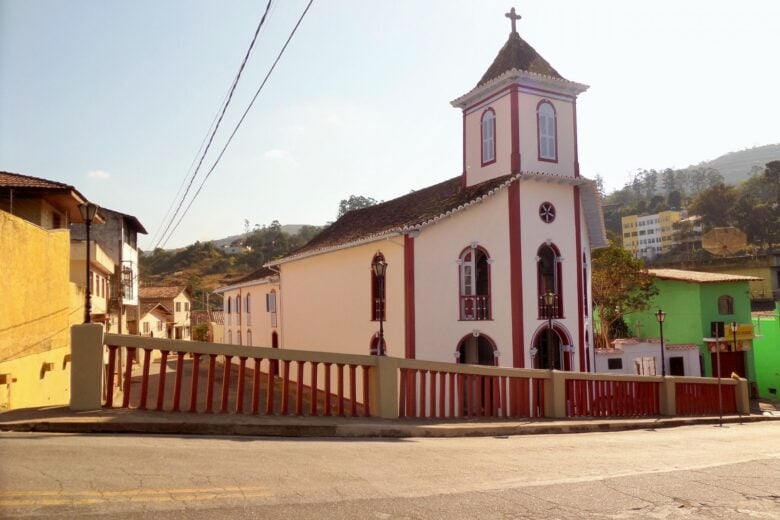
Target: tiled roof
(405, 212)
(17, 180)
(259, 274)
(160, 292)
(146, 308)
(131, 221)
(518, 54)
(699, 277)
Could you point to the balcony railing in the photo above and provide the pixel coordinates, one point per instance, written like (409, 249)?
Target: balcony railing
(475, 307)
(553, 311)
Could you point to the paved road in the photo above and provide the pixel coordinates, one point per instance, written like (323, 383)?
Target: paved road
(689, 472)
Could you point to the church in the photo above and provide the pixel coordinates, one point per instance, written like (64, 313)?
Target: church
(490, 267)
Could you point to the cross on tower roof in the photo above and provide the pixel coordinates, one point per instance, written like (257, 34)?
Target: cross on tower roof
(514, 17)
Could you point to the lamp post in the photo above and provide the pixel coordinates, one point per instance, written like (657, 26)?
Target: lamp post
(380, 269)
(549, 300)
(88, 212)
(661, 316)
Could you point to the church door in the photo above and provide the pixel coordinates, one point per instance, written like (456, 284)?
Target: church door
(477, 396)
(548, 351)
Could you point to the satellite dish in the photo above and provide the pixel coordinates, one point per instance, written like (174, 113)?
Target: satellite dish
(724, 241)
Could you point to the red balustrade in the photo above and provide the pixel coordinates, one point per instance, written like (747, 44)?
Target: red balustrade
(267, 379)
(442, 394)
(591, 398)
(702, 399)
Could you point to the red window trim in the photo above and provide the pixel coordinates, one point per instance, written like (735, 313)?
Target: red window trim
(539, 134)
(558, 308)
(488, 298)
(482, 137)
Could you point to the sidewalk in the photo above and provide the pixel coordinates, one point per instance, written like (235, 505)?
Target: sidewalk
(63, 420)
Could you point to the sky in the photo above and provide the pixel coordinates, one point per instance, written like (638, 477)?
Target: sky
(116, 98)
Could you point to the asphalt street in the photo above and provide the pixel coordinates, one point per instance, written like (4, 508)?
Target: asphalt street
(686, 472)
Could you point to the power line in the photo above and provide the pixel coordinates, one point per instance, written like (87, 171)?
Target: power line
(240, 121)
(219, 121)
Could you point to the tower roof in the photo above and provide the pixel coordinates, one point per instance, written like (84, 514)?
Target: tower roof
(518, 54)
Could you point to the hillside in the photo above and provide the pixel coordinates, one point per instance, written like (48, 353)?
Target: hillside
(206, 266)
(737, 166)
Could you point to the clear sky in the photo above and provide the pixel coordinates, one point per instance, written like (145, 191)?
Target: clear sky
(115, 98)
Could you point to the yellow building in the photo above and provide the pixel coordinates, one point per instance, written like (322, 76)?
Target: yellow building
(39, 303)
(647, 236)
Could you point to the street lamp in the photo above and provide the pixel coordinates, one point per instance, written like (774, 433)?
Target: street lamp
(549, 300)
(88, 212)
(661, 316)
(734, 328)
(380, 269)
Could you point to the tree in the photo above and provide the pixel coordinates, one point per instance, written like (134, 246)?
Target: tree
(621, 286)
(354, 202)
(714, 205)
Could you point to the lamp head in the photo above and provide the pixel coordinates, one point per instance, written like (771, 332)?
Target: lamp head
(549, 298)
(380, 268)
(88, 211)
(734, 327)
(660, 316)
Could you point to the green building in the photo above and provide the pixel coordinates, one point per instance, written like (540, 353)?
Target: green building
(766, 352)
(700, 308)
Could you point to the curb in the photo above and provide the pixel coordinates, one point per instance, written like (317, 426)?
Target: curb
(363, 430)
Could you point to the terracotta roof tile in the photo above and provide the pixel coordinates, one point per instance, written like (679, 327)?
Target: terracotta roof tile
(17, 180)
(407, 211)
(518, 54)
(160, 292)
(699, 277)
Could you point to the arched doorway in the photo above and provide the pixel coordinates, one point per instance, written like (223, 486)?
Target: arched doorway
(477, 350)
(552, 348)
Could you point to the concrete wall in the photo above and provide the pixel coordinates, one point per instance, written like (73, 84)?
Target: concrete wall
(560, 232)
(40, 305)
(630, 351)
(475, 172)
(529, 148)
(326, 300)
(437, 281)
(766, 354)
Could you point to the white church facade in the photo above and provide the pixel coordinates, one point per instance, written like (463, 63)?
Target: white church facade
(471, 259)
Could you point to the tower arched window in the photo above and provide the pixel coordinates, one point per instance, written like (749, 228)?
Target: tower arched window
(378, 293)
(475, 284)
(547, 131)
(488, 130)
(549, 279)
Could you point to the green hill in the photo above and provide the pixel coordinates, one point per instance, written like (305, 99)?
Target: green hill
(737, 166)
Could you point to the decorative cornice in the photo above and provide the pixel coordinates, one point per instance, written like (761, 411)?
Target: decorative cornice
(522, 78)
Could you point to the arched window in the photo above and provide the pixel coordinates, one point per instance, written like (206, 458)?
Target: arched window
(474, 284)
(249, 338)
(238, 337)
(238, 304)
(585, 302)
(549, 279)
(247, 307)
(230, 337)
(378, 294)
(488, 136)
(546, 129)
(725, 305)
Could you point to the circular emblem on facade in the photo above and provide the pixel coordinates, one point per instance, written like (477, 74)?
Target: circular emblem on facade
(547, 212)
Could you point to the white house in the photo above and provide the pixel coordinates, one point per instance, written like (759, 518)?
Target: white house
(251, 309)
(469, 259)
(643, 357)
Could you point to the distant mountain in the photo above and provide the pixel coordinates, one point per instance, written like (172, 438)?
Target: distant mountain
(736, 166)
(290, 229)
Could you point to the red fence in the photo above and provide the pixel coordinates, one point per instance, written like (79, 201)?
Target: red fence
(213, 383)
(702, 399)
(593, 398)
(443, 394)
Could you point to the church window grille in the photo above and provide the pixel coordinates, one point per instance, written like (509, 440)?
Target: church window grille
(488, 137)
(547, 131)
(475, 284)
